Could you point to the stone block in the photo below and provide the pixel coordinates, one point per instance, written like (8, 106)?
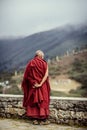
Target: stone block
(9, 106)
(53, 113)
(63, 114)
(21, 112)
(8, 115)
(80, 115)
(72, 114)
(2, 115)
(2, 110)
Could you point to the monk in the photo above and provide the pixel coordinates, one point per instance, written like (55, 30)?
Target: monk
(36, 89)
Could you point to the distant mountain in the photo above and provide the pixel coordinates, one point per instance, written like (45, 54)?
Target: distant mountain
(15, 53)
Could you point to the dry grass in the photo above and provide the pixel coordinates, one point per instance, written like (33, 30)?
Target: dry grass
(64, 84)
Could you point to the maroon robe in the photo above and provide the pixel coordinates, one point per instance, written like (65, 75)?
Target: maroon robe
(36, 100)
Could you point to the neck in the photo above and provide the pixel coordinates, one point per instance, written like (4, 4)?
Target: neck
(39, 56)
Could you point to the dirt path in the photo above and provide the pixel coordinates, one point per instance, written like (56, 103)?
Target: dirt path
(10, 124)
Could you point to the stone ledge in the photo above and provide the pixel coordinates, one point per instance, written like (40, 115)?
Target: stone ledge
(10, 95)
(57, 98)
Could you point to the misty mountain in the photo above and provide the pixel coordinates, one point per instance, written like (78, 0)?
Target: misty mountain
(15, 53)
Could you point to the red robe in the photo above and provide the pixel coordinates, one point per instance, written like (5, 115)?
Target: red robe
(36, 100)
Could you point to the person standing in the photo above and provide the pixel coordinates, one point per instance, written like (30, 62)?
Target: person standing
(36, 89)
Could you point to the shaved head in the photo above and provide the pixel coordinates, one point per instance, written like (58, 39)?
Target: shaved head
(40, 53)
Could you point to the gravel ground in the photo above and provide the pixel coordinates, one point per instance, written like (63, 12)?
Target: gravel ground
(13, 124)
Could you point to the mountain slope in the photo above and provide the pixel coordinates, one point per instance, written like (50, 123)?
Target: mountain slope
(15, 53)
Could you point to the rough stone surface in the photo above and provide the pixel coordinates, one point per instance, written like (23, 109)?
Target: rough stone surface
(72, 111)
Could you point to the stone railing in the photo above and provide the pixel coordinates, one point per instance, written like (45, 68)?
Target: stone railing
(63, 110)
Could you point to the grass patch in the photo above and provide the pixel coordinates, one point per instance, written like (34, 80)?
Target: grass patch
(62, 94)
(78, 72)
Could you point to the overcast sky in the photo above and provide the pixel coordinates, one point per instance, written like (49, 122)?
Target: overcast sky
(25, 17)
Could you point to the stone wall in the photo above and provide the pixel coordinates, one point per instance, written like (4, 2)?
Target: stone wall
(63, 110)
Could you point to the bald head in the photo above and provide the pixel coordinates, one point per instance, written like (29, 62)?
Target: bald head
(39, 53)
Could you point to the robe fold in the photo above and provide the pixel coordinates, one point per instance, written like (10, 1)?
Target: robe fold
(36, 100)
